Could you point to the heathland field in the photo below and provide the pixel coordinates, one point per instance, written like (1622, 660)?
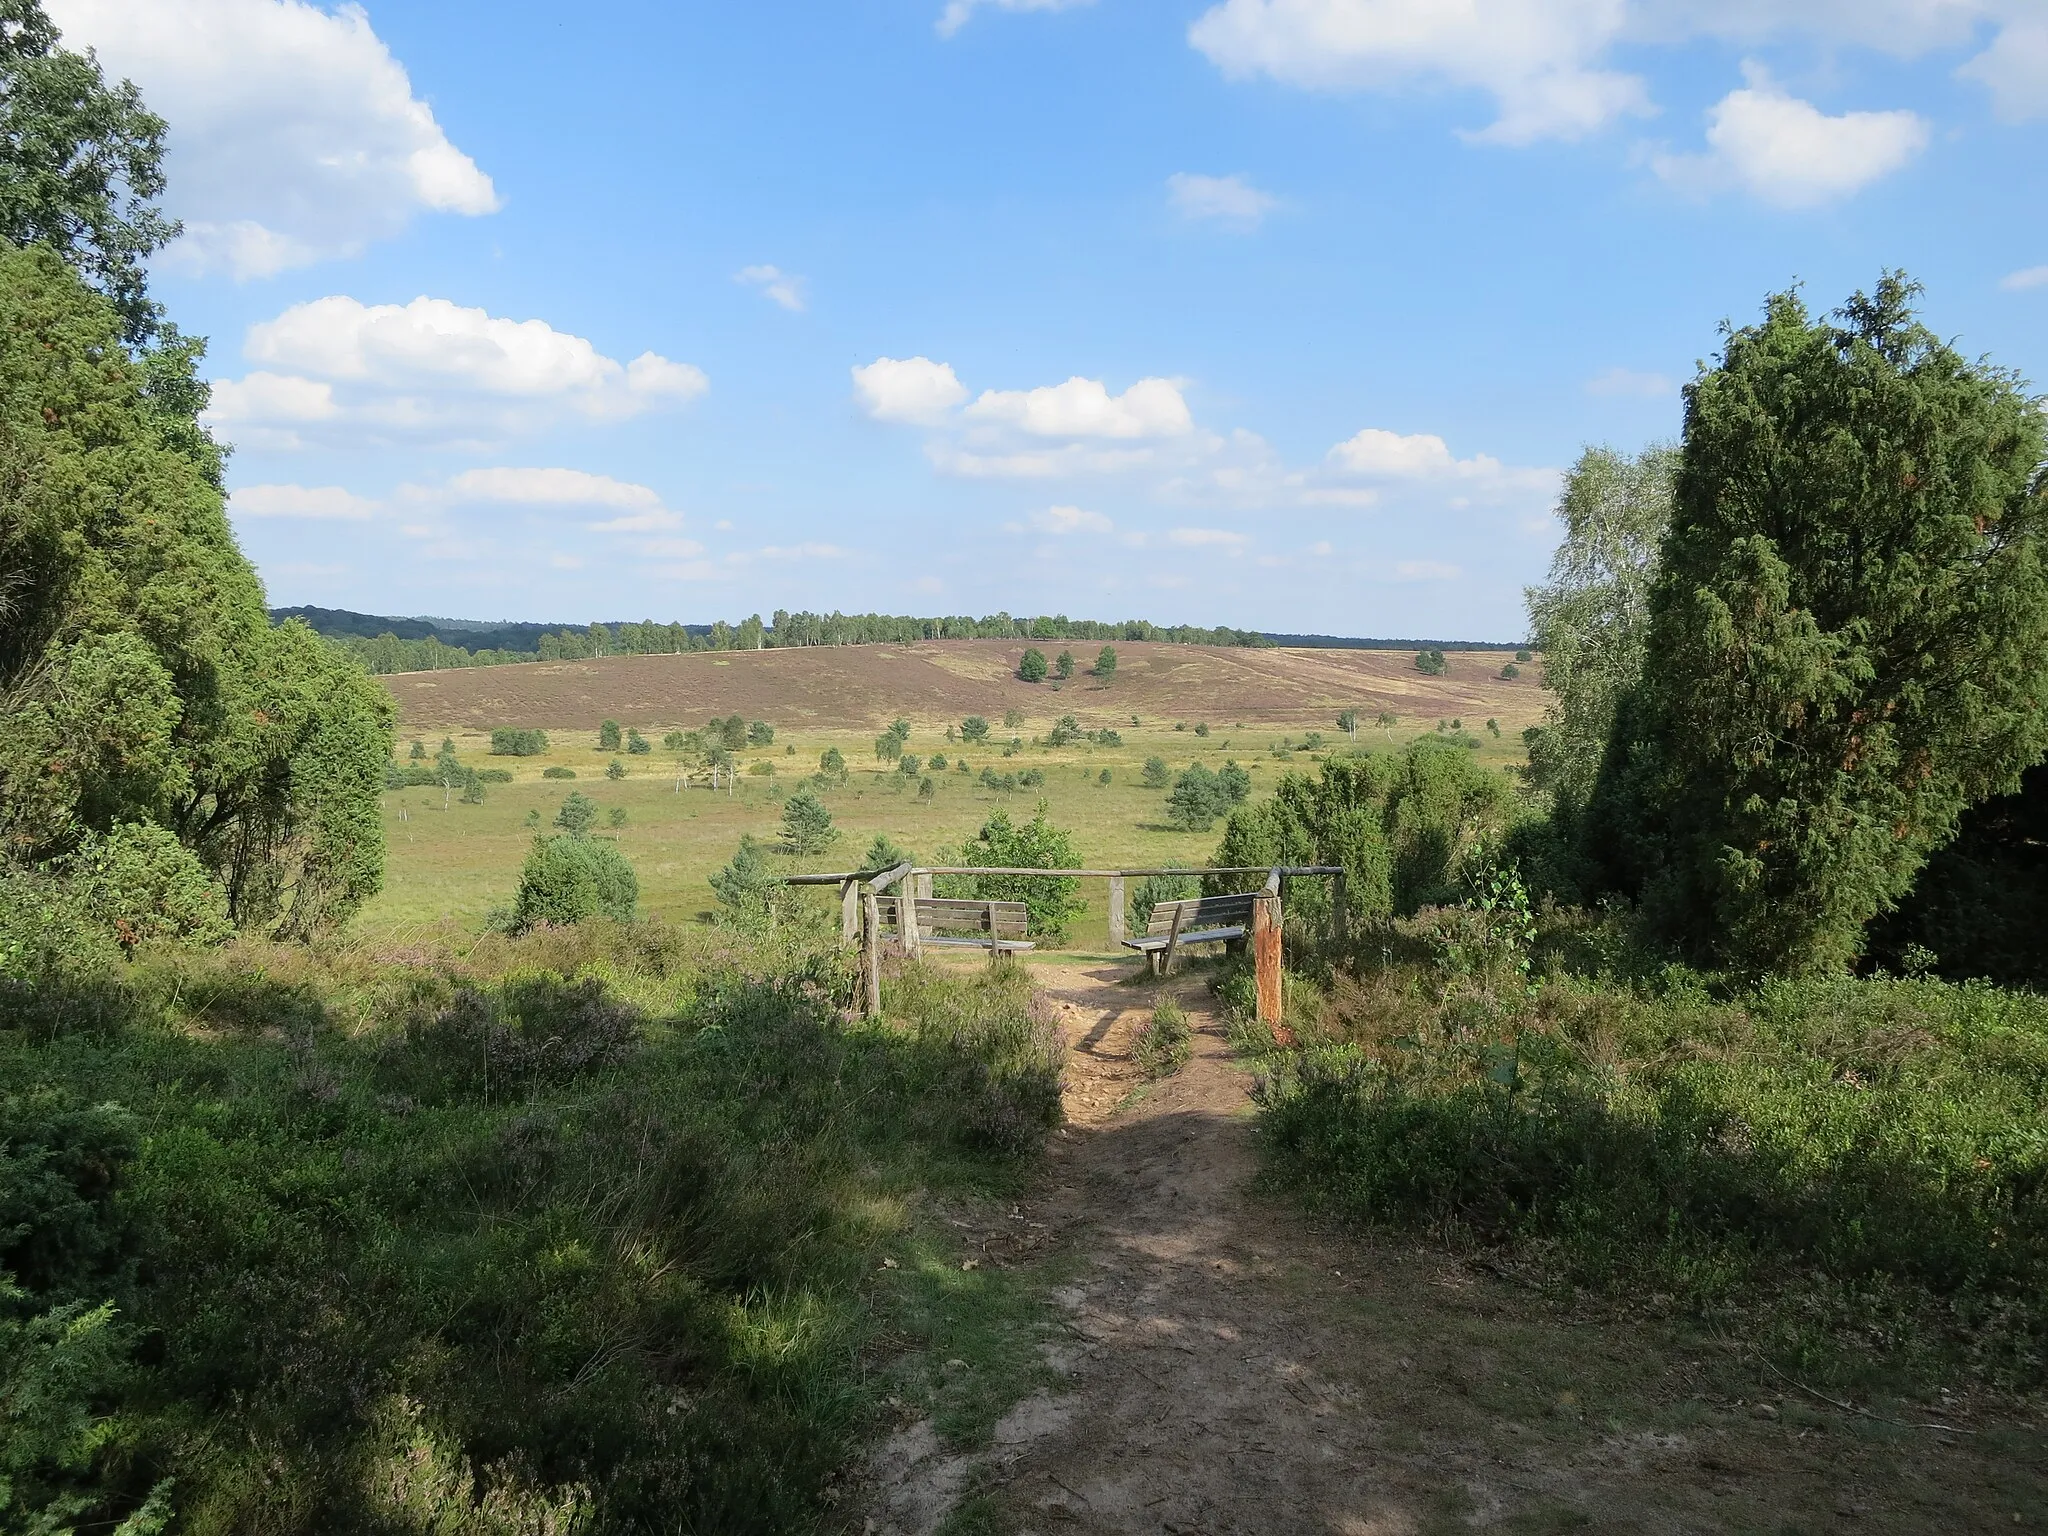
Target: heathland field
(460, 861)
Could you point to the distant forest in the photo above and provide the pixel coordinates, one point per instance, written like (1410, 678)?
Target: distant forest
(429, 644)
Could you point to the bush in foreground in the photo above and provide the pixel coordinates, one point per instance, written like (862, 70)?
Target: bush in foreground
(1853, 1166)
(574, 1231)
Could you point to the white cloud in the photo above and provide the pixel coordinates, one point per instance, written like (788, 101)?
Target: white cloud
(2025, 278)
(914, 390)
(430, 370)
(1788, 152)
(316, 502)
(295, 135)
(783, 287)
(1627, 382)
(671, 549)
(1085, 408)
(1377, 452)
(2015, 70)
(550, 488)
(1426, 570)
(1205, 538)
(1228, 200)
(1536, 58)
(957, 12)
(1070, 520)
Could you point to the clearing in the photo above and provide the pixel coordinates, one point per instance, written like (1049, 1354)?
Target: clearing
(1224, 1366)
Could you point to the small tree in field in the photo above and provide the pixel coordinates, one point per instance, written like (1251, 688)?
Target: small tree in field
(679, 745)
(608, 739)
(974, 729)
(1848, 635)
(1105, 665)
(1347, 722)
(1430, 662)
(1386, 721)
(806, 825)
(1032, 667)
(1063, 665)
(832, 761)
(1156, 775)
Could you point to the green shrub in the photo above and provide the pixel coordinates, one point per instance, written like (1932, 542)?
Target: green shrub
(569, 878)
(1843, 1157)
(558, 773)
(1051, 903)
(507, 741)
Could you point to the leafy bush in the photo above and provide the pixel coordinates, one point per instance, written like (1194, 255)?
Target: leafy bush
(142, 884)
(1032, 668)
(506, 741)
(558, 773)
(1065, 731)
(807, 825)
(974, 729)
(1154, 889)
(608, 736)
(569, 878)
(1200, 796)
(638, 745)
(1431, 663)
(1156, 775)
(1050, 903)
(760, 734)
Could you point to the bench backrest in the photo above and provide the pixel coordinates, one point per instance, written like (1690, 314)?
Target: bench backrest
(1006, 919)
(1201, 912)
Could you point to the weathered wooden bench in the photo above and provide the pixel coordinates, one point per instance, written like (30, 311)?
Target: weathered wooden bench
(998, 925)
(1198, 920)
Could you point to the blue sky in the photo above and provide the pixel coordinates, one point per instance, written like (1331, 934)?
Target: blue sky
(1277, 313)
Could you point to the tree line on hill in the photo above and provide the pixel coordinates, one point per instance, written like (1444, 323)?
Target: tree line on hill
(376, 643)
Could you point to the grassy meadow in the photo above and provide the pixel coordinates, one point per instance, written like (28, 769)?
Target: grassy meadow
(458, 862)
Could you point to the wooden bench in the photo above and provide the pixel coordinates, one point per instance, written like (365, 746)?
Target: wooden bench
(1199, 920)
(999, 925)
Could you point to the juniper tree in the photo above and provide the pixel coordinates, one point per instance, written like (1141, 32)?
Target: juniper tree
(1032, 667)
(1848, 637)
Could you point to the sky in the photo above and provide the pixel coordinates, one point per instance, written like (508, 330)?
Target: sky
(1283, 314)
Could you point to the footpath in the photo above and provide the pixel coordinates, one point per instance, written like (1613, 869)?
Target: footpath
(1225, 1366)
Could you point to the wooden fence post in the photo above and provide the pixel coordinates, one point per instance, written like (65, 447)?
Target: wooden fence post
(924, 887)
(849, 912)
(871, 955)
(1266, 962)
(906, 910)
(1116, 911)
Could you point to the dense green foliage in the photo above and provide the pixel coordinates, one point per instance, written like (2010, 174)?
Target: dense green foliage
(1050, 904)
(807, 825)
(1848, 635)
(1856, 1166)
(1402, 825)
(140, 679)
(508, 741)
(1591, 616)
(570, 877)
(577, 1231)
(81, 163)
(1032, 668)
(1201, 795)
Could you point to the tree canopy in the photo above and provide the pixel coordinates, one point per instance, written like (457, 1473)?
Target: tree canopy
(140, 678)
(1848, 635)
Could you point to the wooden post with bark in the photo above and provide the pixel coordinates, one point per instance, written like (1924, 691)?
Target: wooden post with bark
(1116, 910)
(1266, 964)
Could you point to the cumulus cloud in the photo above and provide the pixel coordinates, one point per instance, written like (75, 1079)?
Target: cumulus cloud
(1205, 538)
(1227, 200)
(1536, 58)
(1085, 408)
(912, 390)
(1789, 153)
(1392, 459)
(296, 136)
(1547, 65)
(2027, 277)
(343, 371)
(2015, 70)
(1626, 382)
(959, 12)
(773, 283)
(321, 503)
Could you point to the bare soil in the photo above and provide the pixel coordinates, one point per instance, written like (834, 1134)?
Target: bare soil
(863, 686)
(1228, 1367)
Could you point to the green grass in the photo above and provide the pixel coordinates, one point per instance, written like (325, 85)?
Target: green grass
(459, 863)
(1164, 1044)
(582, 1230)
(1852, 1174)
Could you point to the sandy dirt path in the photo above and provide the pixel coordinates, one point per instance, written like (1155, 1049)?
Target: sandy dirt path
(1229, 1368)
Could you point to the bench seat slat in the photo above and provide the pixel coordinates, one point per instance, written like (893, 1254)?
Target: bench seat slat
(1199, 936)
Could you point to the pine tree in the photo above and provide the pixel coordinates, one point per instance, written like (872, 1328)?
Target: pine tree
(1848, 637)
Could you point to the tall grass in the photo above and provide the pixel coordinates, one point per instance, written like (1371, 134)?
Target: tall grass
(568, 1232)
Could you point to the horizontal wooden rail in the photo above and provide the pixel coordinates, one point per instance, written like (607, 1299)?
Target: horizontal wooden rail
(1112, 874)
